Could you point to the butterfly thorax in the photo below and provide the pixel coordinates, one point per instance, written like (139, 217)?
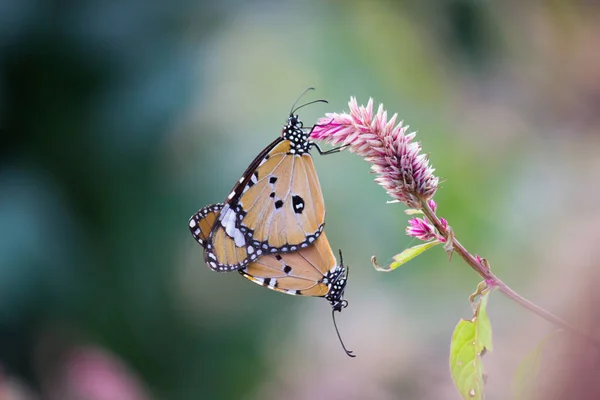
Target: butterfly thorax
(297, 136)
(336, 281)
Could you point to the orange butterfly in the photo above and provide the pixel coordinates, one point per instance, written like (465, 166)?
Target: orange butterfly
(307, 271)
(276, 206)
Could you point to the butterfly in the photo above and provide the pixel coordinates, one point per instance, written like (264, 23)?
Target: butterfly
(307, 271)
(276, 206)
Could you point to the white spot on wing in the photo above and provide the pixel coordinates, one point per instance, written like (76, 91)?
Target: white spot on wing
(228, 222)
(239, 238)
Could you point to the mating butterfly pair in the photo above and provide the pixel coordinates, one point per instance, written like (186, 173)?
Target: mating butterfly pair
(270, 227)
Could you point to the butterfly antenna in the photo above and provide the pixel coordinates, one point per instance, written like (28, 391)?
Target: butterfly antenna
(298, 99)
(348, 352)
(308, 104)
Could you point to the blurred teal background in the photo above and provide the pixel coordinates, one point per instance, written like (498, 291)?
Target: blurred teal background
(119, 120)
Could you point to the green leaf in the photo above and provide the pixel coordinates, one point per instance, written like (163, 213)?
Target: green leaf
(405, 256)
(525, 380)
(411, 253)
(469, 340)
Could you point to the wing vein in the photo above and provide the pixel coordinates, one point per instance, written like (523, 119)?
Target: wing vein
(310, 263)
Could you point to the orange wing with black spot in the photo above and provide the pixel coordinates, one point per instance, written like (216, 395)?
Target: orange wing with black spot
(305, 272)
(284, 205)
(276, 207)
(308, 271)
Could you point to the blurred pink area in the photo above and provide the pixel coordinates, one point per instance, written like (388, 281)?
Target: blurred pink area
(390, 354)
(91, 373)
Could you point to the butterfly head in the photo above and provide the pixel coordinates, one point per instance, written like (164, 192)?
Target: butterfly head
(336, 280)
(294, 132)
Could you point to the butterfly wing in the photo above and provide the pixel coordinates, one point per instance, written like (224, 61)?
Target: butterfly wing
(201, 223)
(214, 228)
(309, 271)
(276, 207)
(226, 247)
(283, 207)
(305, 272)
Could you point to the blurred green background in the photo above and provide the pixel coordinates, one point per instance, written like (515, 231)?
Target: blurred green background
(119, 120)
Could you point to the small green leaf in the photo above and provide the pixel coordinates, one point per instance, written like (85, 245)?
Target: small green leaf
(525, 380)
(405, 256)
(469, 340)
(411, 253)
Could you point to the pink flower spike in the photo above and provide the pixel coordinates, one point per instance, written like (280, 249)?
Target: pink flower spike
(422, 229)
(402, 170)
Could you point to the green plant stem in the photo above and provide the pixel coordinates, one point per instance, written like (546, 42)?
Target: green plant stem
(493, 281)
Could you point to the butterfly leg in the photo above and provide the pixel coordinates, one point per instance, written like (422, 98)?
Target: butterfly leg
(330, 151)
